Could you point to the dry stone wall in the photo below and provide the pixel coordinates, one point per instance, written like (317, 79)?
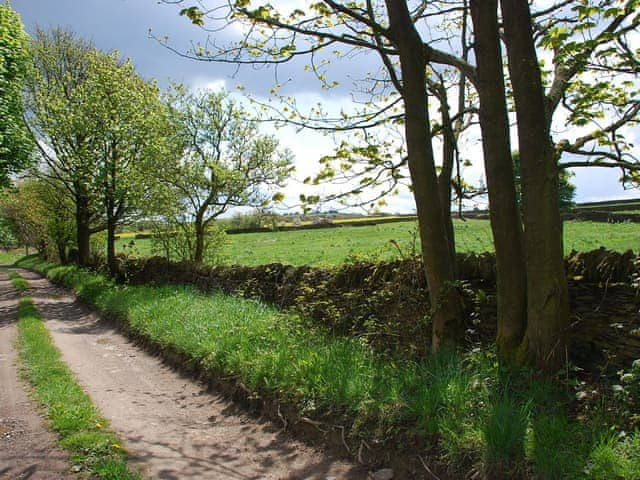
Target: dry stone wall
(387, 303)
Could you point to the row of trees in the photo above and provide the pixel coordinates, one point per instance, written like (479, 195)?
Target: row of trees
(479, 61)
(15, 141)
(569, 62)
(110, 147)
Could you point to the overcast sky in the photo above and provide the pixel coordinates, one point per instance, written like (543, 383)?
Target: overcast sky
(124, 25)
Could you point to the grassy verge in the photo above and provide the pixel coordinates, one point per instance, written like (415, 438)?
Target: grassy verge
(9, 257)
(475, 416)
(80, 427)
(18, 282)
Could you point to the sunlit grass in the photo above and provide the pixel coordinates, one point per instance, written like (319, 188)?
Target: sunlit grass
(81, 429)
(10, 257)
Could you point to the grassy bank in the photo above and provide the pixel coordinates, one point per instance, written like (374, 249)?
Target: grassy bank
(334, 246)
(80, 427)
(460, 405)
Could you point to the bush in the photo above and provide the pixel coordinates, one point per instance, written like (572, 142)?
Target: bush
(256, 219)
(8, 239)
(98, 248)
(177, 242)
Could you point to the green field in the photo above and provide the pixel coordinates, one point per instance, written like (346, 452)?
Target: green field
(9, 257)
(334, 246)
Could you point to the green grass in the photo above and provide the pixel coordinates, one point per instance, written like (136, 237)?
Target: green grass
(333, 246)
(18, 282)
(508, 424)
(80, 427)
(10, 257)
(584, 236)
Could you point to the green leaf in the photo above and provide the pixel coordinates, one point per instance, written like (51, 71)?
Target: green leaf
(194, 14)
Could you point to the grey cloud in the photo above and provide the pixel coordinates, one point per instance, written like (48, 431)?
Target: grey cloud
(124, 25)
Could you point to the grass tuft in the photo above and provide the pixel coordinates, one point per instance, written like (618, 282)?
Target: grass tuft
(505, 431)
(18, 282)
(80, 427)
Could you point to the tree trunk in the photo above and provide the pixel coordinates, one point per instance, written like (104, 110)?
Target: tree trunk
(110, 204)
(199, 226)
(444, 179)
(83, 227)
(544, 343)
(504, 213)
(446, 306)
(62, 252)
(111, 245)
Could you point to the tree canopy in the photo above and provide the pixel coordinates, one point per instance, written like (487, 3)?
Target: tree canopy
(16, 143)
(225, 160)
(41, 216)
(56, 117)
(100, 128)
(128, 125)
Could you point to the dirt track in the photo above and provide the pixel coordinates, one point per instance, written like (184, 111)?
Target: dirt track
(173, 427)
(27, 448)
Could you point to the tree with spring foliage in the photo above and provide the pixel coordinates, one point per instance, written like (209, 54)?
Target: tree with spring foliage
(586, 40)
(16, 143)
(22, 210)
(101, 131)
(225, 161)
(129, 140)
(57, 121)
(40, 215)
(387, 29)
